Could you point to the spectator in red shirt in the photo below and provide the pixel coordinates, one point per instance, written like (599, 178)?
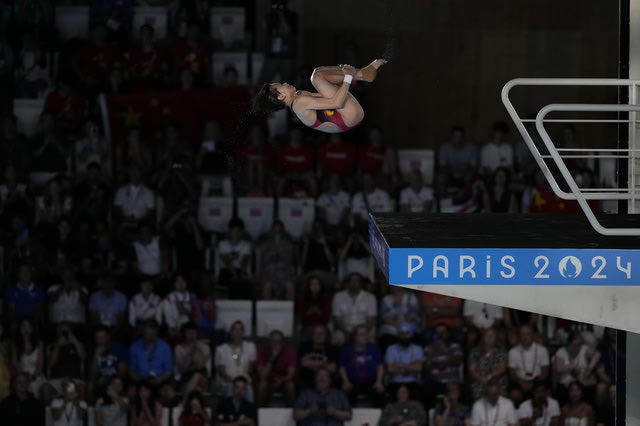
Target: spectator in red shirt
(194, 54)
(443, 310)
(66, 105)
(94, 60)
(276, 369)
(256, 158)
(148, 63)
(314, 306)
(295, 163)
(336, 156)
(374, 157)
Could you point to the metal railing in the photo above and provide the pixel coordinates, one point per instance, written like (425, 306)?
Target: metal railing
(582, 195)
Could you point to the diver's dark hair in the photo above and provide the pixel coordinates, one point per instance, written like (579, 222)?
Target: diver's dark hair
(267, 99)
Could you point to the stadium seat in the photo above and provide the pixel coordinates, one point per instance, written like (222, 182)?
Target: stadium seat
(238, 60)
(154, 16)
(227, 26)
(364, 416)
(214, 213)
(28, 113)
(230, 311)
(72, 21)
(257, 214)
(274, 315)
(297, 214)
(275, 417)
(421, 159)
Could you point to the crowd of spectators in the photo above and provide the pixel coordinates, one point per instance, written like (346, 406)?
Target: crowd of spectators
(110, 300)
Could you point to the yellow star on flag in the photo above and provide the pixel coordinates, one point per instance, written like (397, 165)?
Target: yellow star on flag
(131, 118)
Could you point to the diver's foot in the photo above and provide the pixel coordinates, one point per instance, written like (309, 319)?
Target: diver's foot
(369, 72)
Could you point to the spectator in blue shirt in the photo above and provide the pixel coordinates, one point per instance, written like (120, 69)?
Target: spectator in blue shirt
(151, 360)
(25, 299)
(404, 361)
(322, 406)
(107, 305)
(361, 368)
(108, 359)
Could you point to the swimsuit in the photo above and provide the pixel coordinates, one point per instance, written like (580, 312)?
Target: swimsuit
(331, 116)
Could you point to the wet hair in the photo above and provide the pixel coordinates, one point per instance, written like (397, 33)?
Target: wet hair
(267, 99)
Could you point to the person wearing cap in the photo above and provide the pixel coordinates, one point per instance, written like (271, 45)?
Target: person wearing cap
(404, 361)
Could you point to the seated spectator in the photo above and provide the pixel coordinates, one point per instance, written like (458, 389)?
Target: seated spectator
(369, 199)
(186, 239)
(112, 409)
(479, 317)
(318, 250)
(256, 157)
(53, 204)
(150, 360)
(446, 310)
(193, 411)
(375, 157)
(236, 358)
(33, 68)
(458, 158)
(91, 148)
(107, 305)
(236, 409)
(575, 362)
(278, 258)
(178, 184)
(276, 369)
(25, 299)
(334, 204)
(443, 360)
(498, 152)
(606, 369)
(21, 407)
(315, 355)
(361, 368)
(528, 361)
(194, 54)
(398, 307)
(65, 104)
(107, 361)
(498, 197)
(486, 362)
(576, 411)
(352, 307)
(134, 150)
(404, 361)
(151, 257)
(146, 410)
(417, 197)
(68, 300)
(451, 412)
(405, 411)
(541, 409)
(177, 307)
(27, 356)
(235, 254)
(295, 164)
(313, 307)
(493, 409)
(145, 305)
(322, 404)
(134, 201)
(148, 64)
(66, 364)
(69, 409)
(355, 255)
(336, 155)
(513, 319)
(93, 61)
(192, 357)
(50, 157)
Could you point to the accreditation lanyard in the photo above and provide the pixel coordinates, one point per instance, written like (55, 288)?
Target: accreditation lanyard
(486, 414)
(533, 367)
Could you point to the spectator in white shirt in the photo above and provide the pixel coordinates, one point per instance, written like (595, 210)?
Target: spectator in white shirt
(333, 204)
(134, 201)
(575, 362)
(177, 307)
(540, 410)
(235, 256)
(150, 252)
(68, 300)
(478, 317)
(528, 361)
(352, 307)
(145, 305)
(493, 409)
(235, 358)
(369, 199)
(69, 410)
(416, 198)
(498, 152)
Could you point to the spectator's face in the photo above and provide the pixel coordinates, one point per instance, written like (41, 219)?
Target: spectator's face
(575, 393)
(526, 336)
(490, 338)
(146, 36)
(500, 177)
(334, 182)
(134, 175)
(144, 393)
(150, 333)
(116, 385)
(191, 335)
(26, 329)
(361, 336)
(576, 343)
(64, 228)
(107, 286)
(416, 180)
(355, 283)
(457, 138)
(402, 394)
(453, 392)
(231, 77)
(146, 287)
(240, 389)
(323, 380)
(315, 286)
(21, 384)
(319, 335)
(25, 276)
(493, 392)
(180, 284)
(237, 332)
(405, 337)
(539, 394)
(146, 235)
(102, 338)
(443, 332)
(235, 233)
(498, 136)
(276, 342)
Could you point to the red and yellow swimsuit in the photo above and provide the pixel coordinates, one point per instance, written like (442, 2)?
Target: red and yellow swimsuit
(331, 116)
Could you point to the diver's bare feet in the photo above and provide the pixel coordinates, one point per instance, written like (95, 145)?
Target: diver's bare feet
(369, 72)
